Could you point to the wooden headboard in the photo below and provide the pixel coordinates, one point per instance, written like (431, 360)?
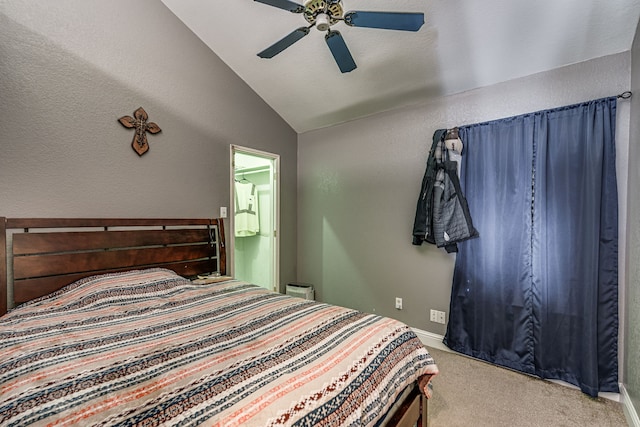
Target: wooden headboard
(41, 255)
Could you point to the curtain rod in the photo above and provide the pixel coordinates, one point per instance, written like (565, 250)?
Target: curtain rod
(625, 95)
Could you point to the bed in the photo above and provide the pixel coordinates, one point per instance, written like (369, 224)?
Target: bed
(109, 329)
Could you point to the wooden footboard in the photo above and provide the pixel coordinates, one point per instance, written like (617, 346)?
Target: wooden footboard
(412, 411)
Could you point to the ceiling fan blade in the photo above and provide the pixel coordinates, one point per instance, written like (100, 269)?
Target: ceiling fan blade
(284, 4)
(405, 21)
(340, 51)
(284, 43)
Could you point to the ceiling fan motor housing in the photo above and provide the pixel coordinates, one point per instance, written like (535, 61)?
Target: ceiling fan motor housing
(322, 13)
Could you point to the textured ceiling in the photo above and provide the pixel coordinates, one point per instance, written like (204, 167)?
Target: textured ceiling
(464, 44)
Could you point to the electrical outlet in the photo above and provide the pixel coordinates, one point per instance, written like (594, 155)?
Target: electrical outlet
(437, 316)
(399, 303)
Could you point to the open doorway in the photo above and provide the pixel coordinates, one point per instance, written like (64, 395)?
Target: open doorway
(255, 216)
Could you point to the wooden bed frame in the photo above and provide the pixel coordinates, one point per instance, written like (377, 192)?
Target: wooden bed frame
(41, 255)
(46, 254)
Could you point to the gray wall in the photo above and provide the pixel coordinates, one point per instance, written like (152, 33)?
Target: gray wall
(70, 68)
(358, 185)
(632, 292)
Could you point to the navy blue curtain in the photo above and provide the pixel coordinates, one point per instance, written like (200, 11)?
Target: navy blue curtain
(538, 290)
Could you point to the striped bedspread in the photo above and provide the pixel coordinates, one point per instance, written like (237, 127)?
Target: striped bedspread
(149, 347)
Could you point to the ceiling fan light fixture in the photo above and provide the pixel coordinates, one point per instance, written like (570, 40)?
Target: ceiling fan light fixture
(322, 14)
(322, 22)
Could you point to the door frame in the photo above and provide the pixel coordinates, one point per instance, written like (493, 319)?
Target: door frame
(275, 182)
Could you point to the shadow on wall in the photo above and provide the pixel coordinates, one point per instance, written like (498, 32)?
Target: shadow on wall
(360, 257)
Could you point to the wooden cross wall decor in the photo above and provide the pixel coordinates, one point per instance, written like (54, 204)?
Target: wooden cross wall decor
(142, 126)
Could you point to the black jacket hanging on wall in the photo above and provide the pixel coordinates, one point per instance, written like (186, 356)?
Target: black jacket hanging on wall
(442, 213)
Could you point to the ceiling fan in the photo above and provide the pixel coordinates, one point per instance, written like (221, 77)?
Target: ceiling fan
(322, 14)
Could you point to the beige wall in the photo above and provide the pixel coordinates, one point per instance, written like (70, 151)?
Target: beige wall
(632, 292)
(359, 183)
(70, 68)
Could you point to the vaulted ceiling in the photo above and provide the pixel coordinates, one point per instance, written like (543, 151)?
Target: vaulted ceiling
(463, 44)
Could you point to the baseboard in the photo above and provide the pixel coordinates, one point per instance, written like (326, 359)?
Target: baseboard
(431, 340)
(616, 397)
(629, 411)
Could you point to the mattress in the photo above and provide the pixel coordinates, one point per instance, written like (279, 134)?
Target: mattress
(148, 347)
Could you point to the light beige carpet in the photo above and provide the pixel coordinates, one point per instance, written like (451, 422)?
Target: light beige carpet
(469, 392)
